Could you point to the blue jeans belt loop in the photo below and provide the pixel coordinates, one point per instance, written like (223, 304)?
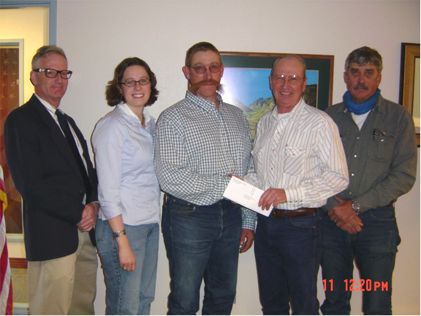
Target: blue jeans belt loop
(305, 211)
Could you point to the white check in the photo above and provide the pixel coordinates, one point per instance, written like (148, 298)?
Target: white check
(245, 194)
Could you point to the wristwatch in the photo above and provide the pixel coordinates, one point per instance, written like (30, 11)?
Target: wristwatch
(119, 233)
(356, 206)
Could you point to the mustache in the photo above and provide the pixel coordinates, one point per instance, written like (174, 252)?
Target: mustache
(361, 86)
(194, 87)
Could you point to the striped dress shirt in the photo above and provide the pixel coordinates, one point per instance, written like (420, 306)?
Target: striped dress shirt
(300, 152)
(198, 148)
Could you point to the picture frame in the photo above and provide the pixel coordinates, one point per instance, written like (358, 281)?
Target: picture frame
(245, 82)
(409, 90)
(12, 95)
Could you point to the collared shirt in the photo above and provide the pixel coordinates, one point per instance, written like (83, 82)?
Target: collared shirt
(382, 156)
(127, 182)
(52, 111)
(198, 148)
(300, 152)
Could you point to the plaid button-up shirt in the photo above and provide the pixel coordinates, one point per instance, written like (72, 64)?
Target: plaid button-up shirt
(198, 148)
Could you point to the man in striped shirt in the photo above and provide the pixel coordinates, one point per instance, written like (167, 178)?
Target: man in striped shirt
(200, 143)
(299, 161)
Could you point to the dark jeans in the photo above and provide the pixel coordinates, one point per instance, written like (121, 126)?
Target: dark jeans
(287, 257)
(202, 243)
(374, 250)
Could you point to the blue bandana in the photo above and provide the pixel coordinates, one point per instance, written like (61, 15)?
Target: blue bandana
(360, 108)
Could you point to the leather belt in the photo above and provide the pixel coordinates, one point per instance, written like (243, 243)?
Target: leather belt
(305, 211)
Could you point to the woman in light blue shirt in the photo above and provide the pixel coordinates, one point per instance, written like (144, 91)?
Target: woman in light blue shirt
(127, 230)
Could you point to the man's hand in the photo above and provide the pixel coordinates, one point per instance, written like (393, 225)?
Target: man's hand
(272, 197)
(246, 239)
(89, 216)
(344, 216)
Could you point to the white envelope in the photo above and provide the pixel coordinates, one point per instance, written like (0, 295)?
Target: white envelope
(246, 195)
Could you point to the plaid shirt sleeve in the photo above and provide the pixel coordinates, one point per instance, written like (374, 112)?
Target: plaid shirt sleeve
(249, 218)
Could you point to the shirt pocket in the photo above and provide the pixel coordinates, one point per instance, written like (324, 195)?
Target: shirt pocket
(294, 160)
(381, 146)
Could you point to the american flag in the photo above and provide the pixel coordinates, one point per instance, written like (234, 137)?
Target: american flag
(6, 301)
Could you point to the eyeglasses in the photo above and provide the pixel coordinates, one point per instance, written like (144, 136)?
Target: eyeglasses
(200, 69)
(291, 79)
(52, 73)
(132, 83)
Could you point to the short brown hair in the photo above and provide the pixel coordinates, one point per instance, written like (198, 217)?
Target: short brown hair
(200, 47)
(112, 91)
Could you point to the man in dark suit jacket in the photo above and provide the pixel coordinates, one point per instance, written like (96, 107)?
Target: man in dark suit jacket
(59, 188)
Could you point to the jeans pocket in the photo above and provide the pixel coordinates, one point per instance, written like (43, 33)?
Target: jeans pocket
(304, 222)
(387, 242)
(100, 233)
(179, 206)
(384, 214)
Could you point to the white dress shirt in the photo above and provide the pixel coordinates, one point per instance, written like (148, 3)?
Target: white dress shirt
(127, 184)
(52, 111)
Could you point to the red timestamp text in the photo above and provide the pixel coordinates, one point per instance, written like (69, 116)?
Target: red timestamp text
(356, 285)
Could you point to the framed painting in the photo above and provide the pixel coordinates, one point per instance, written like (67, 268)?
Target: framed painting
(246, 82)
(11, 94)
(409, 92)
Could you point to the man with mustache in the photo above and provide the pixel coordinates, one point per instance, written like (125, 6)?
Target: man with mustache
(200, 143)
(359, 223)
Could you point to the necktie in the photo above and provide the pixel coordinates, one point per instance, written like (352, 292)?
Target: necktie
(64, 124)
(72, 144)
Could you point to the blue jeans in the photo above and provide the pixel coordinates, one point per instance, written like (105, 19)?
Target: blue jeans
(202, 243)
(287, 255)
(129, 292)
(374, 250)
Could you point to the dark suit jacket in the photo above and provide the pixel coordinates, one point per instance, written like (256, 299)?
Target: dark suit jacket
(46, 174)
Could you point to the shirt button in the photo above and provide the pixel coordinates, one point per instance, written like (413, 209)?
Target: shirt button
(352, 174)
(355, 156)
(358, 137)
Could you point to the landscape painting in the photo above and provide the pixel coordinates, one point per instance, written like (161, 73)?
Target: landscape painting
(246, 82)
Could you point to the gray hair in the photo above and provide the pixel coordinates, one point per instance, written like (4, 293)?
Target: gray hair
(45, 50)
(364, 55)
(298, 58)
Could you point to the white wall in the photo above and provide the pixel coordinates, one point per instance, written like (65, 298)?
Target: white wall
(97, 35)
(31, 26)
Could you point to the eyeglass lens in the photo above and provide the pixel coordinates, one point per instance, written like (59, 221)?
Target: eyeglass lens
(131, 82)
(52, 73)
(200, 69)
